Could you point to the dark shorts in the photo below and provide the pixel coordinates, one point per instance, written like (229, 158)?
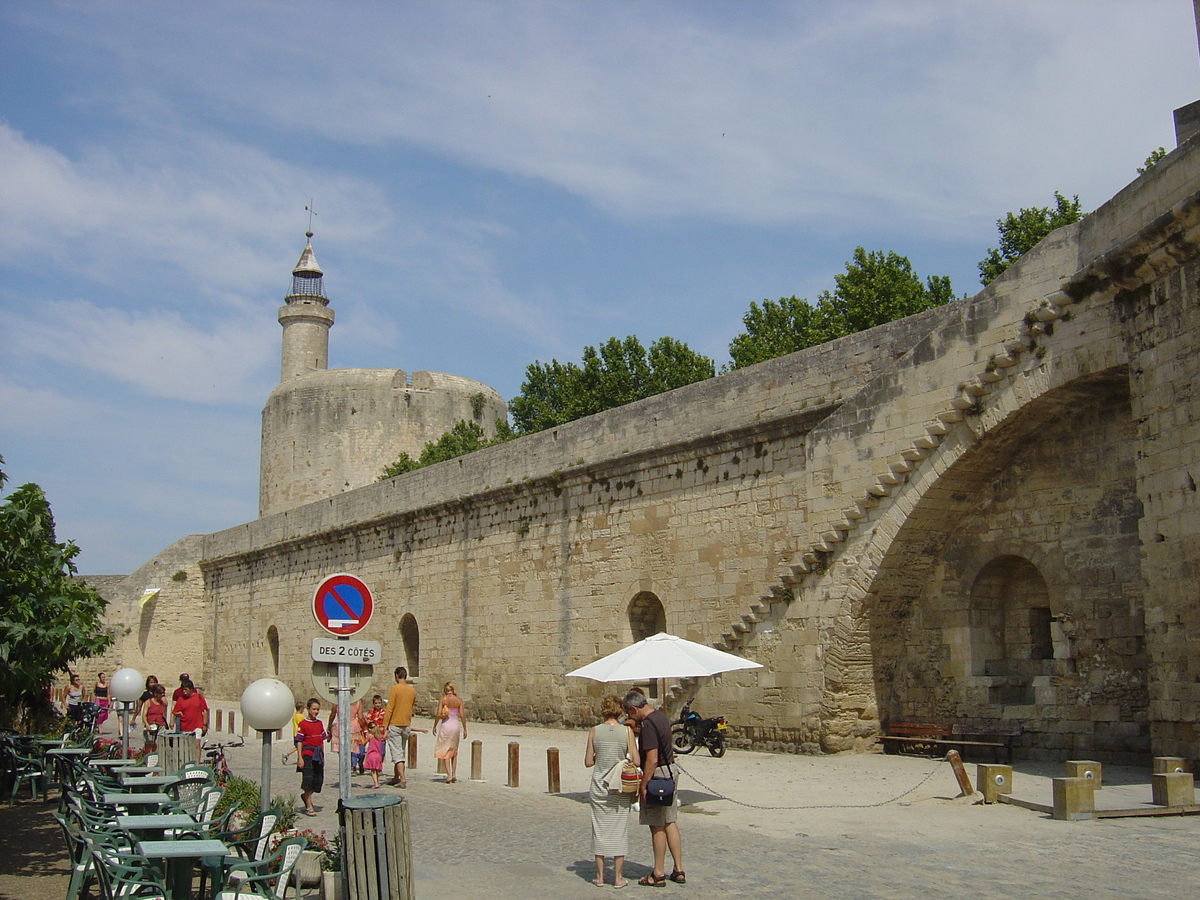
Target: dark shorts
(313, 777)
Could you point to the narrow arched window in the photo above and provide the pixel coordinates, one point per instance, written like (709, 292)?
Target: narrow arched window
(273, 644)
(410, 635)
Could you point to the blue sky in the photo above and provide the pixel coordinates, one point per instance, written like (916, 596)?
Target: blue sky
(495, 183)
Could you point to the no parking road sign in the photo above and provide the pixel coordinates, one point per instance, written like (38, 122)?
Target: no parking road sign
(342, 604)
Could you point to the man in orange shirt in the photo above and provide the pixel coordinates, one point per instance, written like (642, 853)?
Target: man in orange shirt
(399, 721)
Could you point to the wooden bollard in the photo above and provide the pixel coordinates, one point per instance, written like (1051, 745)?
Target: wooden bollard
(412, 751)
(514, 764)
(960, 772)
(477, 760)
(553, 782)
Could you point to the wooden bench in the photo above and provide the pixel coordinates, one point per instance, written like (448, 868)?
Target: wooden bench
(934, 740)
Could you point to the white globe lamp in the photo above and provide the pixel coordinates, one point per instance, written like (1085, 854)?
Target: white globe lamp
(126, 688)
(267, 705)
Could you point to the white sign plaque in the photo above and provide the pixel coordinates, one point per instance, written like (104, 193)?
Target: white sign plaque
(353, 653)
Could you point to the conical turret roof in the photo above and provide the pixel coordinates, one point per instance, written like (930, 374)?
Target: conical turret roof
(307, 264)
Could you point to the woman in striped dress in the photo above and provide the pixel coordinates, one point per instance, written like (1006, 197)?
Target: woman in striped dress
(607, 744)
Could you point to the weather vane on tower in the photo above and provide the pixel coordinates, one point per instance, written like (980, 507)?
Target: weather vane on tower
(311, 212)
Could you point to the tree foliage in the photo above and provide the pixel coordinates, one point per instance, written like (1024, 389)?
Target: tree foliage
(47, 617)
(1021, 231)
(465, 437)
(876, 288)
(615, 373)
(1152, 160)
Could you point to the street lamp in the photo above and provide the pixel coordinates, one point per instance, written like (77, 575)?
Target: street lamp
(126, 687)
(267, 705)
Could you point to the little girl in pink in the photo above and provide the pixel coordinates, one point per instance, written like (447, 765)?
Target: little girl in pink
(373, 761)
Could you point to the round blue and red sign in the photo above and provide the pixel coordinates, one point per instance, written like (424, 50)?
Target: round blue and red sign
(342, 604)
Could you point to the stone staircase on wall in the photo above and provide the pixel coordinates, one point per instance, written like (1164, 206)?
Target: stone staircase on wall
(969, 401)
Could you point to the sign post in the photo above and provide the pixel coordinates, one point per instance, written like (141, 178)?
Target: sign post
(342, 605)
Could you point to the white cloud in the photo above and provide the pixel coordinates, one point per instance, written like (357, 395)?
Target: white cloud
(214, 210)
(931, 114)
(157, 352)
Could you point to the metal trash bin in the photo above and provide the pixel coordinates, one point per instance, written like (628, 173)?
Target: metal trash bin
(376, 848)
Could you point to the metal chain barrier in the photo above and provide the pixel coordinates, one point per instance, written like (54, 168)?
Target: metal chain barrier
(721, 796)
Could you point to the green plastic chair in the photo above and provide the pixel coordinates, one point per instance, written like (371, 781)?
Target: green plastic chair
(266, 878)
(22, 768)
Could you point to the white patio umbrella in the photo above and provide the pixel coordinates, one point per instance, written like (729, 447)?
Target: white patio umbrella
(662, 656)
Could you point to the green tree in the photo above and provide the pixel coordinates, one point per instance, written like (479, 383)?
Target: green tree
(1020, 232)
(776, 328)
(47, 616)
(613, 374)
(1152, 160)
(465, 437)
(876, 287)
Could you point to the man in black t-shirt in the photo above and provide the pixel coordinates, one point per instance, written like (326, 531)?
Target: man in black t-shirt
(654, 742)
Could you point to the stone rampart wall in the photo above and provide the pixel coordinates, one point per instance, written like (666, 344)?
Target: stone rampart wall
(983, 514)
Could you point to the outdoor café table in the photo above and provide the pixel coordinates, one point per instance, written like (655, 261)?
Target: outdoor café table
(153, 827)
(60, 756)
(113, 763)
(142, 770)
(179, 855)
(126, 798)
(69, 751)
(146, 782)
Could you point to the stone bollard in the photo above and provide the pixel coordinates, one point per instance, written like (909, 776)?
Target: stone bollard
(964, 780)
(514, 764)
(1085, 768)
(993, 780)
(1173, 789)
(553, 781)
(1074, 799)
(1170, 764)
(477, 760)
(412, 751)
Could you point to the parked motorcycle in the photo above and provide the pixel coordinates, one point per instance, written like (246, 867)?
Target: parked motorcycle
(690, 731)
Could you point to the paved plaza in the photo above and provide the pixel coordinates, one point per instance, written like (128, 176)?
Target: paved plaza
(474, 840)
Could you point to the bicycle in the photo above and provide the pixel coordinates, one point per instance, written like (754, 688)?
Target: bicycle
(215, 752)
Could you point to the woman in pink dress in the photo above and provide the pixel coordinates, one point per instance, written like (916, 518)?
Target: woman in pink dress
(450, 725)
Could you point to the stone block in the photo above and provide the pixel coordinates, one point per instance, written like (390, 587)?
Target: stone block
(1170, 764)
(1074, 799)
(1085, 768)
(992, 781)
(1172, 789)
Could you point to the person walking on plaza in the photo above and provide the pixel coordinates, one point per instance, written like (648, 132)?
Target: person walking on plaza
(607, 745)
(154, 717)
(373, 761)
(100, 698)
(450, 726)
(190, 712)
(310, 742)
(140, 712)
(654, 741)
(398, 720)
(75, 699)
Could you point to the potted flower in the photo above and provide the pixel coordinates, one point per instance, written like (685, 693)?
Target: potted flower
(331, 869)
(310, 864)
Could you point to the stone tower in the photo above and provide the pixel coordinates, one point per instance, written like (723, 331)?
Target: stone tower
(306, 319)
(329, 431)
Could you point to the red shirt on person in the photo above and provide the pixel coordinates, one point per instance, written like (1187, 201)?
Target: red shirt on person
(311, 734)
(190, 712)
